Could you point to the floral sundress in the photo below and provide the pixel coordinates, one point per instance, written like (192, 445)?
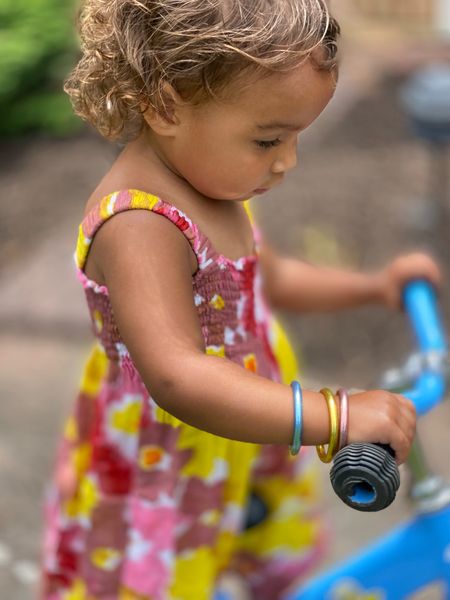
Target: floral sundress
(158, 509)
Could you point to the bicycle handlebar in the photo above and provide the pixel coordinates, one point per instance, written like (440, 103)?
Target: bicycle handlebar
(421, 306)
(419, 299)
(365, 476)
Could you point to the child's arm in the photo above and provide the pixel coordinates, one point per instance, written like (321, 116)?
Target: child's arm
(295, 285)
(146, 263)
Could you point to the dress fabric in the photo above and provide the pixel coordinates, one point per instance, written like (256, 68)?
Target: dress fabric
(155, 508)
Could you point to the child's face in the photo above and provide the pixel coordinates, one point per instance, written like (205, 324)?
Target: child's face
(236, 149)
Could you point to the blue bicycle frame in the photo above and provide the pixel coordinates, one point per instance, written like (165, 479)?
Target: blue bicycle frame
(416, 554)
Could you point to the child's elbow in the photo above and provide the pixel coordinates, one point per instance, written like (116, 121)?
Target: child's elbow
(172, 383)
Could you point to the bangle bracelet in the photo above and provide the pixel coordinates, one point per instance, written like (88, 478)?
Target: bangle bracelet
(297, 435)
(343, 417)
(326, 456)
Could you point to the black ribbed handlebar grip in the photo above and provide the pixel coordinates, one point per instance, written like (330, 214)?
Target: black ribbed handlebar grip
(365, 476)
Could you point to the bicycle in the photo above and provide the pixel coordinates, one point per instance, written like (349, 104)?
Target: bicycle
(414, 556)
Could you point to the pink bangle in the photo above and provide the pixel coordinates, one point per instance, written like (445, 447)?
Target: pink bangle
(343, 419)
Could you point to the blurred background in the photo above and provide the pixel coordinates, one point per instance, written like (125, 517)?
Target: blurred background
(372, 182)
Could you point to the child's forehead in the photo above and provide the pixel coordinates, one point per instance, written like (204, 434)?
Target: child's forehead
(286, 100)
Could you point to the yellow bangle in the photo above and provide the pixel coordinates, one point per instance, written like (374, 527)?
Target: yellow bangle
(327, 456)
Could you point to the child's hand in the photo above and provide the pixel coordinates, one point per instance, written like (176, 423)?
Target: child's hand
(400, 271)
(381, 417)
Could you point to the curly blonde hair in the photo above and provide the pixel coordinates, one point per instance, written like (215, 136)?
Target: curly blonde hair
(131, 50)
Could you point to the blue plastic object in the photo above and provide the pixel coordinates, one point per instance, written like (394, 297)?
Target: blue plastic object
(220, 595)
(409, 558)
(420, 303)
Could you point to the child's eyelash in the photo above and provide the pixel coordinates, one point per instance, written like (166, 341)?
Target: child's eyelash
(268, 143)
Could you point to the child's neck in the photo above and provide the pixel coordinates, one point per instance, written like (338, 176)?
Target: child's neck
(144, 162)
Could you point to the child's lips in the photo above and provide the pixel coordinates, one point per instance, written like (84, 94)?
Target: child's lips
(261, 191)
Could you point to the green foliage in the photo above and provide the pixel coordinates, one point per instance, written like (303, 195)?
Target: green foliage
(37, 49)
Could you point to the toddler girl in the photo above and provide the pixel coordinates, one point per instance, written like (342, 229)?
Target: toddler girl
(183, 410)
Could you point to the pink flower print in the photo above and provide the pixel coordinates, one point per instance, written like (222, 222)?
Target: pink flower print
(138, 547)
(149, 554)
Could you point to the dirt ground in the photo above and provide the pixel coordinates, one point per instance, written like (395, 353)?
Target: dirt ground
(359, 197)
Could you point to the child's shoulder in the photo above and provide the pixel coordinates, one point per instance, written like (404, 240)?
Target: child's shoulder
(102, 236)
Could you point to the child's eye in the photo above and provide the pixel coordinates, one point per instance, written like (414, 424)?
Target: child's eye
(267, 143)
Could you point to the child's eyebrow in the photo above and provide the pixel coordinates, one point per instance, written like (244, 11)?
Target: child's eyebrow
(279, 125)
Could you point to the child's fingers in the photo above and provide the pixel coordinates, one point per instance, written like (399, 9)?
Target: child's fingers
(406, 427)
(401, 448)
(409, 416)
(382, 417)
(413, 266)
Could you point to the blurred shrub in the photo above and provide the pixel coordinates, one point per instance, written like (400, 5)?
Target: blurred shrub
(37, 49)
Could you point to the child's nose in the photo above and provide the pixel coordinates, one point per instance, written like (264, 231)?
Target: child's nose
(286, 160)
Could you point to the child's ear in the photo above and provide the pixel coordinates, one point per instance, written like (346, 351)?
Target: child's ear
(165, 123)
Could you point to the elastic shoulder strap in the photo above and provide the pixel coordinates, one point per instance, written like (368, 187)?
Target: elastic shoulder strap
(131, 200)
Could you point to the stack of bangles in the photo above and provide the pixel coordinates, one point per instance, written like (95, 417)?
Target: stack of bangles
(338, 413)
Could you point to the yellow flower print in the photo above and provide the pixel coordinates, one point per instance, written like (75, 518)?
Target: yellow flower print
(217, 302)
(94, 371)
(127, 594)
(250, 363)
(283, 351)
(89, 495)
(78, 591)
(292, 534)
(142, 200)
(211, 455)
(82, 505)
(83, 245)
(151, 457)
(127, 419)
(106, 559)
(98, 321)
(216, 350)
(208, 458)
(225, 546)
(162, 416)
(71, 430)
(249, 211)
(210, 517)
(81, 457)
(303, 491)
(194, 574)
(107, 206)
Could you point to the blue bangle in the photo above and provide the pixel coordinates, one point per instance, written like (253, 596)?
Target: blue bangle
(297, 437)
